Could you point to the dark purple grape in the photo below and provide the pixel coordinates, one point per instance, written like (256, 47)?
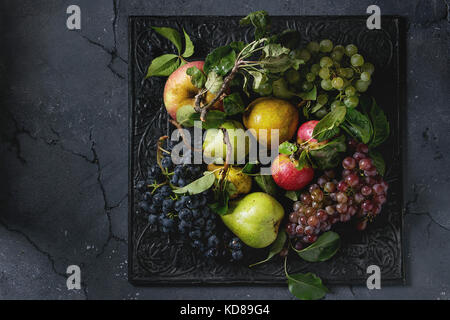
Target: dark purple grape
(365, 164)
(349, 163)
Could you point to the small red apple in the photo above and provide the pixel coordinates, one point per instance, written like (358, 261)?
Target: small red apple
(287, 176)
(179, 90)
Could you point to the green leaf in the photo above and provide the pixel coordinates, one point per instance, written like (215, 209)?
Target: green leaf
(163, 65)
(184, 115)
(289, 38)
(199, 185)
(214, 82)
(230, 188)
(170, 34)
(277, 64)
(274, 50)
(188, 47)
(259, 78)
(260, 20)
(221, 60)
(378, 161)
(332, 120)
(287, 148)
(221, 206)
(198, 78)
(310, 95)
(233, 104)
(357, 125)
(380, 125)
(249, 167)
(275, 247)
(302, 160)
(293, 195)
(266, 183)
(323, 249)
(306, 286)
(237, 46)
(214, 119)
(327, 156)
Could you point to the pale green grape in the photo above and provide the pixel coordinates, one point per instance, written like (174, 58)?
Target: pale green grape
(324, 73)
(357, 60)
(315, 68)
(310, 77)
(365, 76)
(351, 49)
(326, 45)
(326, 84)
(349, 73)
(326, 62)
(337, 83)
(350, 91)
(337, 55)
(339, 48)
(322, 98)
(351, 102)
(368, 67)
(307, 86)
(304, 55)
(336, 103)
(313, 47)
(361, 86)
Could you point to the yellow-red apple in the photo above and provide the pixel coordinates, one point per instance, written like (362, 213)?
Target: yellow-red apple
(179, 90)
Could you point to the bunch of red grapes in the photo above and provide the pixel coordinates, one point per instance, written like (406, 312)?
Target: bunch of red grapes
(360, 193)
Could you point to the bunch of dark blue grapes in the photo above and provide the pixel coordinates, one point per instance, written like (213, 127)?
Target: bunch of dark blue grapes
(187, 216)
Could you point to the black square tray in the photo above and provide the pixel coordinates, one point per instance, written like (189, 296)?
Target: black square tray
(157, 259)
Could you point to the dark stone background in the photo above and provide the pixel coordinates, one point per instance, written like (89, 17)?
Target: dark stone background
(63, 130)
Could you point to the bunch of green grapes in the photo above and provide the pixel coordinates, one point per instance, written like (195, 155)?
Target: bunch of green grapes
(339, 73)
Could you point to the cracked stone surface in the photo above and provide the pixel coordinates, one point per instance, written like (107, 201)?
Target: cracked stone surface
(63, 140)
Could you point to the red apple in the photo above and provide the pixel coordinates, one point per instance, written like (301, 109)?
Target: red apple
(286, 175)
(305, 132)
(179, 90)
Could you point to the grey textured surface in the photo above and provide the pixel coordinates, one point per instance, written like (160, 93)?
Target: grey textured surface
(64, 119)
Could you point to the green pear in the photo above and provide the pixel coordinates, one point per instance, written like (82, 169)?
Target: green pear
(214, 147)
(255, 219)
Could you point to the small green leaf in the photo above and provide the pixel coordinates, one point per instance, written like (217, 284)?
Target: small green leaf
(199, 185)
(237, 46)
(323, 249)
(275, 247)
(163, 65)
(184, 115)
(306, 286)
(260, 20)
(357, 125)
(331, 120)
(266, 183)
(221, 60)
(287, 148)
(189, 46)
(293, 195)
(170, 34)
(198, 78)
(310, 95)
(277, 64)
(249, 167)
(380, 125)
(221, 206)
(214, 82)
(233, 104)
(378, 161)
(259, 78)
(274, 50)
(302, 160)
(214, 119)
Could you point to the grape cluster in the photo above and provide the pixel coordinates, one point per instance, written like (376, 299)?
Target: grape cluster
(186, 216)
(359, 193)
(341, 72)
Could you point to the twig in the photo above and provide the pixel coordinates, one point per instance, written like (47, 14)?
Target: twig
(198, 100)
(226, 140)
(223, 88)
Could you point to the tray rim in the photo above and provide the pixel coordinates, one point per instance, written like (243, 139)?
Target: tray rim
(401, 22)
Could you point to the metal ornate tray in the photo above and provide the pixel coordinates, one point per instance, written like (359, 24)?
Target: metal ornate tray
(157, 259)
